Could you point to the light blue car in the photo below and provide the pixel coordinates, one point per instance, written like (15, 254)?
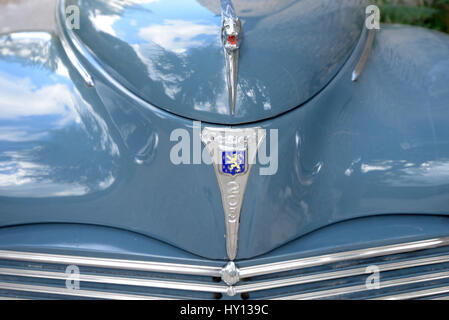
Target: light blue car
(205, 149)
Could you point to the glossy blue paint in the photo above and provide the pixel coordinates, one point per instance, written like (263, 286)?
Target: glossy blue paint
(132, 138)
(170, 53)
(100, 241)
(376, 146)
(78, 155)
(356, 234)
(92, 240)
(47, 127)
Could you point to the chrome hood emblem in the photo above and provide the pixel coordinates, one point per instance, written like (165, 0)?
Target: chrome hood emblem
(231, 38)
(233, 152)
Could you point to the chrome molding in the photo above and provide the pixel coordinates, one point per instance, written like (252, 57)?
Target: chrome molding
(441, 290)
(365, 54)
(230, 274)
(360, 288)
(112, 263)
(139, 282)
(10, 298)
(76, 293)
(88, 80)
(265, 285)
(341, 256)
(419, 294)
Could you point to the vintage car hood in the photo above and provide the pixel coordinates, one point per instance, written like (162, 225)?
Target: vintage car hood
(79, 155)
(170, 54)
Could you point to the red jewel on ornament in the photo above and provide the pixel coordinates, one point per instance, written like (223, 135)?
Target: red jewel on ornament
(232, 40)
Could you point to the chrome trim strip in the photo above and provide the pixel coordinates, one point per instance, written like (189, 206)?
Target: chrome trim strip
(112, 263)
(275, 267)
(88, 80)
(265, 285)
(204, 287)
(11, 298)
(93, 61)
(243, 272)
(76, 293)
(365, 54)
(213, 271)
(418, 294)
(441, 290)
(140, 282)
(360, 288)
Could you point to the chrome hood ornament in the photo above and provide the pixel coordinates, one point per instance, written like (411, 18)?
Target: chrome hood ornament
(233, 152)
(231, 38)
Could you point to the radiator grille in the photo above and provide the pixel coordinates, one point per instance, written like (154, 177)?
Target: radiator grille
(411, 270)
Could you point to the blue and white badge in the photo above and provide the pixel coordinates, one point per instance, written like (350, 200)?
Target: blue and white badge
(233, 162)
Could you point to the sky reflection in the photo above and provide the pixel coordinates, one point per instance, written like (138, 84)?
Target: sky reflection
(53, 143)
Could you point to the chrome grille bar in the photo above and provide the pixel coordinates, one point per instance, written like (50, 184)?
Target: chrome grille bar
(276, 267)
(441, 290)
(140, 282)
(137, 265)
(217, 288)
(265, 285)
(360, 288)
(76, 293)
(199, 285)
(418, 294)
